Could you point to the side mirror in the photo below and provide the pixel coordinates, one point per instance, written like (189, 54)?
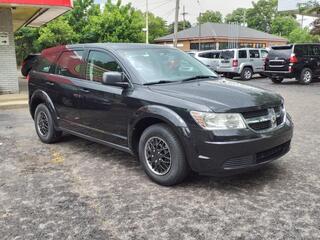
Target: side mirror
(114, 79)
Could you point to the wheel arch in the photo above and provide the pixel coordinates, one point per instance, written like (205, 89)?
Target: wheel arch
(39, 97)
(153, 114)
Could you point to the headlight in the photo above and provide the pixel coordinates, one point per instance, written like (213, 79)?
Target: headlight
(218, 121)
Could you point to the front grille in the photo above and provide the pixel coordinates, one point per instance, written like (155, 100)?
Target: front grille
(265, 119)
(272, 153)
(260, 157)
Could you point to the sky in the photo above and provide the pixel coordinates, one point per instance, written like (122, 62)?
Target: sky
(165, 8)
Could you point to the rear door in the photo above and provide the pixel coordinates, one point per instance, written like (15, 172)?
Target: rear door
(279, 58)
(226, 58)
(65, 87)
(242, 56)
(314, 52)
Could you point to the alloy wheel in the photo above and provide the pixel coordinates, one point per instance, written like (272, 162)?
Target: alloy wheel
(158, 156)
(307, 76)
(43, 123)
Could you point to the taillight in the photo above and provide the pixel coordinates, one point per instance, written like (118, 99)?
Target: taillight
(28, 77)
(235, 63)
(293, 58)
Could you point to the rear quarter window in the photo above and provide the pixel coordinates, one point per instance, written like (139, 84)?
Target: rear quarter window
(302, 50)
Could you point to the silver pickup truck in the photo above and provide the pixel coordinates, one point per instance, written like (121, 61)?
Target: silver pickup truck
(243, 62)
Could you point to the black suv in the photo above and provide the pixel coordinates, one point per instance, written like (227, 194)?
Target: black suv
(300, 61)
(160, 104)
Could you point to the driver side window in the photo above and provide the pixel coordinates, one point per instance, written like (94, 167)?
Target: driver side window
(98, 63)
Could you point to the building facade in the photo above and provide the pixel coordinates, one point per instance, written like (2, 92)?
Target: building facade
(221, 36)
(13, 15)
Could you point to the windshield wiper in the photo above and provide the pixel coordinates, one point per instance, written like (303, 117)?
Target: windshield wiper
(157, 82)
(198, 77)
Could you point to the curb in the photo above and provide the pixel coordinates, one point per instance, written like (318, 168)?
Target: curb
(14, 104)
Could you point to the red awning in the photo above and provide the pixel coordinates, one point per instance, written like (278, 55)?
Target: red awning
(35, 12)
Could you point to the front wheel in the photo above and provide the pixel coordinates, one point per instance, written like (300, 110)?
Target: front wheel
(162, 156)
(246, 74)
(305, 76)
(44, 125)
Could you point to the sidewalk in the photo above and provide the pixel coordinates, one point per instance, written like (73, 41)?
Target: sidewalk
(19, 100)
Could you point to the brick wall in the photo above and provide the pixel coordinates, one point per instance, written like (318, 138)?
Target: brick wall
(8, 64)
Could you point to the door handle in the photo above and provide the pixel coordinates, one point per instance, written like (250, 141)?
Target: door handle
(50, 83)
(84, 90)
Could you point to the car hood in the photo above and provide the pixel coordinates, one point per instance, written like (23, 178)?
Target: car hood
(220, 95)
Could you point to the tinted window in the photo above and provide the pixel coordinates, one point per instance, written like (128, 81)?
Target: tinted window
(242, 53)
(315, 50)
(99, 63)
(254, 54)
(280, 52)
(301, 50)
(227, 54)
(206, 55)
(264, 53)
(69, 64)
(43, 65)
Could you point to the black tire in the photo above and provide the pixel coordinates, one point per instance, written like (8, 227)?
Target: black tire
(246, 74)
(172, 171)
(277, 80)
(45, 126)
(305, 76)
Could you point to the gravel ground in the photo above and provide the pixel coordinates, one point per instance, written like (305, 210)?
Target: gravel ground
(76, 189)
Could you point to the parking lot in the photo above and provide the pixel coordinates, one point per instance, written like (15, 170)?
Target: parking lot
(76, 189)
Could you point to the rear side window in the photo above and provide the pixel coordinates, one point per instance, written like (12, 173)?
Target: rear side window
(315, 50)
(264, 53)
(254, 54)
(227, 54)
(99, 63)
(69, 64)
(302, 50)
(43, 65)
(242, 53)
(206, 55)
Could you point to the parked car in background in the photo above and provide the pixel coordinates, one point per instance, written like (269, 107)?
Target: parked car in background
(243, 62)
(160, 104)
(210, 58)
(28, 63)
(300, 61)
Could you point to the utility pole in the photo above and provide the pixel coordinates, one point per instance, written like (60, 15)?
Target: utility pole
(147, 21)
(184, 13)
(200, 31)
(176, 21)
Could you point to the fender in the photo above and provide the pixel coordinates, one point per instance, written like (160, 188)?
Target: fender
(44, 97)
(162, 113)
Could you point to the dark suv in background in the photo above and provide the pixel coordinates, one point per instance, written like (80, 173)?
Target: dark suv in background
(160, 104)
(300, 61)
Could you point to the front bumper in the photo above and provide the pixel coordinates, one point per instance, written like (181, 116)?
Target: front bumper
(232, 152)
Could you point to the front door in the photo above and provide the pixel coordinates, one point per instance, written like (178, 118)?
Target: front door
(104, 113)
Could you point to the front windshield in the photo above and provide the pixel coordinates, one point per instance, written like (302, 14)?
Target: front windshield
(164, 64)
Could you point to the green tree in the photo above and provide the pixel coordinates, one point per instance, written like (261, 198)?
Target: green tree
(262, 14)
(181, 26)
(78, 16)
(118, 23)
(284, 25)
(24, 39)
(210, 16)
(157, 27)
(300, 35)
(237, 16)
(57, 32)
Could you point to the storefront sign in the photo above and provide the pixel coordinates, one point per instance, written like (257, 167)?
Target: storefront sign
(4, 38)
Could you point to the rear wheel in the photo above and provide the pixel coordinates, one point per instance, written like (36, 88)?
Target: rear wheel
(276, 80)
(305, 76)
(44, 125)
(246, 74)
(162, 156)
